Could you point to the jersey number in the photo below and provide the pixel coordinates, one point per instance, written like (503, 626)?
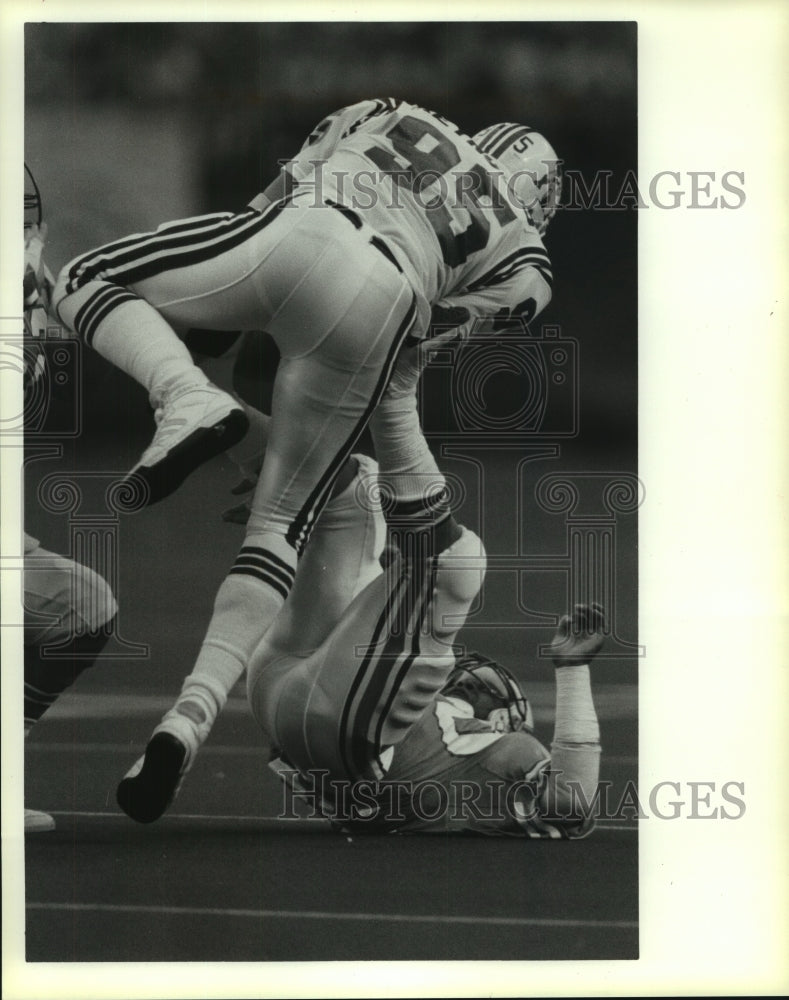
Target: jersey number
(429, 154)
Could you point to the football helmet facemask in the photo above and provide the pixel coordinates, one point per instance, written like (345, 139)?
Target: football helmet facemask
(534, 173)
(488, 688)
(38, 281)
(33, 206)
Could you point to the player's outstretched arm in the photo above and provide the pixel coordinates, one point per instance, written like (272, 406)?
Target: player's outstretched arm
(575, 750)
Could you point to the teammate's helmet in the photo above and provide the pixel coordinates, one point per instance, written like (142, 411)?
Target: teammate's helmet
(487, 687)
(533, 168)
(38, 282)
(33, 207)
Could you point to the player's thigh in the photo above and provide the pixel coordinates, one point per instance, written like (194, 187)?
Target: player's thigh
(289, 270)
(315, 710)
(323, 400)
(218, 293)
(273, 672)
(196, 270)
(299, 700)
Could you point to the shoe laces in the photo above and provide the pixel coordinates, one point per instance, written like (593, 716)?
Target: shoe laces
(167, 423)
(165, 414)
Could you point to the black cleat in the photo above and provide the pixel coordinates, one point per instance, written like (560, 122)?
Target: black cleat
(153, 782)
(192, 427)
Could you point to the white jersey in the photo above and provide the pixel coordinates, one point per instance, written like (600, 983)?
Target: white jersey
(441, 206)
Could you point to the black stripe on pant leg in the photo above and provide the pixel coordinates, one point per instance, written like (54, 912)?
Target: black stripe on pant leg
(360, 748)
(299, 531)
(314, 504)
(138, 263)
(398, 644)
(427, 601)
(392, 598)
(182, 253)
(132, 247)
(132, 244)
(356, 749)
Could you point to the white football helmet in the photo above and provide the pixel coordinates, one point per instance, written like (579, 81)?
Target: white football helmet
(534, 174)
(33, 208)
(38, 282)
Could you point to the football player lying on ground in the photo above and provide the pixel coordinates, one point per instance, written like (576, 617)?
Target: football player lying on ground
(373, 720)
(388, 218)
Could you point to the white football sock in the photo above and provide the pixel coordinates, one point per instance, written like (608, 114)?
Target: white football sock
(407, 466)
(134, 337)
(244, 608)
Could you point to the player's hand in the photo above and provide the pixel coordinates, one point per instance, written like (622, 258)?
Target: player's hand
(239, 514)
(579, 636)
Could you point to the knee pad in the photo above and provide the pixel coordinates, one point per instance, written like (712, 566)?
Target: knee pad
(461, 568)
(80, 598)
(92, 600)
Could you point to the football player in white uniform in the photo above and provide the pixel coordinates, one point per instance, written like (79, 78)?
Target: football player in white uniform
(66, 604)
(388, 225)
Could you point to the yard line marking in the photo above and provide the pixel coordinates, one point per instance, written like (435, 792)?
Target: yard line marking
(283, 821)
(137, 748)
(217, 749)
(179, 911)
(192, 817)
